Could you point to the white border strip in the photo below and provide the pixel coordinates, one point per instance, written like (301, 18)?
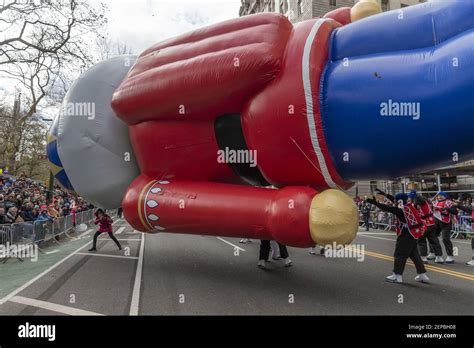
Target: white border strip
(134, 305)
(309, 103)
(54, 307)
(108, 255)
(27, 284)
(31, 281)
(233, 245)
(120, 230)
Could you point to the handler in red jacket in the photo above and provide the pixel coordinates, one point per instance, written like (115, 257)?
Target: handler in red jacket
(409, 227)
(105, 225)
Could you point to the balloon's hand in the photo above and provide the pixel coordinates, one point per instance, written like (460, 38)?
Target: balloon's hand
(347, 15)
(364, 9)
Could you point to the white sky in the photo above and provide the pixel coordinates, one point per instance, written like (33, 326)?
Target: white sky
(142, 23)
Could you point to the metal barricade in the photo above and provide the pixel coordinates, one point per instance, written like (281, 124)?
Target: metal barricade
(379, 221)
(68, 223)
(5, 234)
(7, 238)
(43, 231)
(90, 215)
(37, 232)
(79, 218)
(59, 226)
(462, 227)
(22, 233)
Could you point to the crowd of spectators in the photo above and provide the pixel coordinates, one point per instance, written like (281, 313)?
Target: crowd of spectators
(25, 200)
(371, 216)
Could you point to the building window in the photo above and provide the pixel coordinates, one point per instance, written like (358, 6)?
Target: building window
(300, 7)
(385, 5)
(332, 2)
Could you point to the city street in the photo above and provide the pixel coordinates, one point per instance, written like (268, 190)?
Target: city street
(166, 274)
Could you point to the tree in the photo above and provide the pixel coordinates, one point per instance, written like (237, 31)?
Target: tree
(41, 40)
(44, 45)
(22, 141)
(107, 48)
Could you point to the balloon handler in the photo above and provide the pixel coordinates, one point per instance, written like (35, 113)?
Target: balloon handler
(409, 227)
(313, 103)
(430, 236)
(443, 211)
(105, 226)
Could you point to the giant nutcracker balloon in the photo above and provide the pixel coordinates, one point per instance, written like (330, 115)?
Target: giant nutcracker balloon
(314, 106)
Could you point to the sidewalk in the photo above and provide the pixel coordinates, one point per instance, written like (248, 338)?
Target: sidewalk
(14, 273)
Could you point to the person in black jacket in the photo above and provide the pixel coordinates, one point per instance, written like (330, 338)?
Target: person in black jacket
(27, 213)
(3, 218)
(406, 245)
(365, 210)
(430, 233)
(119, 212)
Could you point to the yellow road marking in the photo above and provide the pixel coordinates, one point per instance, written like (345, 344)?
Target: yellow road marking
(466, 276)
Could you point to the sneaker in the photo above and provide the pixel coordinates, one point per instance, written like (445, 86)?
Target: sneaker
(422, 278)
(312, 251)
(288, 262)
(424, 259)
(431, 256)
(245, 241)
(470, 263)
(394, 278)
(449, 259)
(261, 264)
(276, 258)
(439, 259)
(92, 249)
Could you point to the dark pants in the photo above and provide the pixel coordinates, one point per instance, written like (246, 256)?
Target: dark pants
(444, 229)
(366, 218)
(366, 221)
(406, 247)
(111, 235)
(265, 250)
(431, 237)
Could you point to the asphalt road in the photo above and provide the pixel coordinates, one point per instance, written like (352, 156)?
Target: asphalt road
(167, 274)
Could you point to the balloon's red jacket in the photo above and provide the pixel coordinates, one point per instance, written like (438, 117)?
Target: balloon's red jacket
(266, 71)
(261, 86)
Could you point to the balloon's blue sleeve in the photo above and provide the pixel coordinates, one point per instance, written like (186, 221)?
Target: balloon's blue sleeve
(397, 95)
